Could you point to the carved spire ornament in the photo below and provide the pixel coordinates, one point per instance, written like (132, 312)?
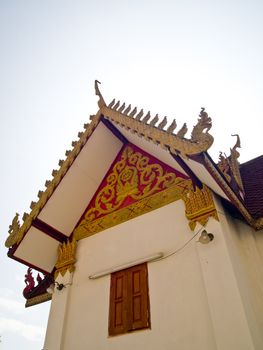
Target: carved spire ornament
(162, 123)
(181, 133)
(172, 127)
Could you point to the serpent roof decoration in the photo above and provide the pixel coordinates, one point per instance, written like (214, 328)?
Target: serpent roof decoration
(137, 122)
(141, 124)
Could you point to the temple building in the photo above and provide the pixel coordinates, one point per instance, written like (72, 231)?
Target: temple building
(144, 242)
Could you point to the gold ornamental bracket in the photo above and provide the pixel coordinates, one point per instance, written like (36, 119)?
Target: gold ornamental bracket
(66, 258)
(199, 206)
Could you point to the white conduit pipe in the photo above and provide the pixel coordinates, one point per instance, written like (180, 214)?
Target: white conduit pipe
(154, 257)
(127, 265)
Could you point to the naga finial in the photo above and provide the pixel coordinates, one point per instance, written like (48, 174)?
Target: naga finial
(234, 164)
(29, 281)
(201, 129)
(101, 102)
(230, 166)
(224, 165)
(233, 150)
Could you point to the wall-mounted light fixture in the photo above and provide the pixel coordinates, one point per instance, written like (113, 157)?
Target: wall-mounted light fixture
(58, 286)
(205, 237)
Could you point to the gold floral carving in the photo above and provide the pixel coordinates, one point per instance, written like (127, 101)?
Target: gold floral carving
(143, 206)
(38, 299)
(199, 206)
(138, 123)
(133, 187)
(66, 258)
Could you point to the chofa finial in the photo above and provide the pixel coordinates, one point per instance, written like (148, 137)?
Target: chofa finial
(101, 102)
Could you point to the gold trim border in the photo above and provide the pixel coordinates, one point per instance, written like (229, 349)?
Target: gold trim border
(38, 299)
(142, 206)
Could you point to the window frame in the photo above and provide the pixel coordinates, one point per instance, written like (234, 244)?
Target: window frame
(129, 308)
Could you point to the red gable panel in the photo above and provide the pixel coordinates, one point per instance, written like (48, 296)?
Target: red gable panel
(133, 177)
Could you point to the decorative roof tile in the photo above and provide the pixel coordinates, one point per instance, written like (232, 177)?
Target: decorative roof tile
(252, 177)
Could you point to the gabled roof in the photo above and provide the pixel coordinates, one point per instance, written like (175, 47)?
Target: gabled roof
(60, 207)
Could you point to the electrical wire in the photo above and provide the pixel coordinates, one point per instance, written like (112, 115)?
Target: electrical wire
(147, 259)
(181, 248)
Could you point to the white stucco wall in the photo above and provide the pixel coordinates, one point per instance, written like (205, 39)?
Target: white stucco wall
(245, 246)
(195, 301)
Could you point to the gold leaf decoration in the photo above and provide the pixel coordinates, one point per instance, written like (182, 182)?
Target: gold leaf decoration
(199, 206)
(14, 234)
(134, 186)
(66, 258)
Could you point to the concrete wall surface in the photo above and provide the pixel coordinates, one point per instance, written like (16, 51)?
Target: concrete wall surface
(195, 297)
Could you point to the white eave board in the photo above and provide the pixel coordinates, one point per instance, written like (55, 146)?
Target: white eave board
(38, 249)
(151, 148)
(204, 176)
(76, 189)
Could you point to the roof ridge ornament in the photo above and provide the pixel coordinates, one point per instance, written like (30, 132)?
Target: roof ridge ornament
(181, 133)
(234, 163)
(204, 123)
(101, 102)
(229, 165)
(233, 150)
(141, 124)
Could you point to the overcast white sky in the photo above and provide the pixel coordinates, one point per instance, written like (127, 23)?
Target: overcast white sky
(170, 57)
